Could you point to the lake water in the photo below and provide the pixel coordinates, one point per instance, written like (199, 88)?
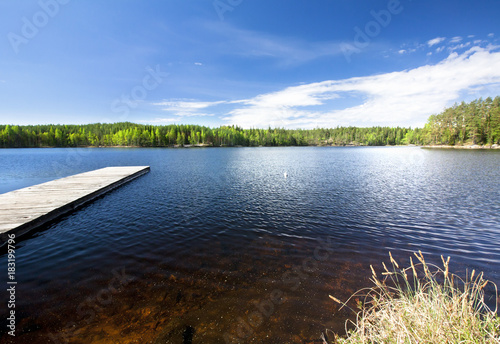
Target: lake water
(215, 245)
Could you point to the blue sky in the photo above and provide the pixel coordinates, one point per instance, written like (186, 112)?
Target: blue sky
(253, 63)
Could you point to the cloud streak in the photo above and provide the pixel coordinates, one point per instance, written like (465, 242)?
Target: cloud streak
(253, 44)
(435, 41)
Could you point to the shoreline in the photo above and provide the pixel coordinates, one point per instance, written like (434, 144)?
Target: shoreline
(208, 146)
(473, 147)
(495, 146)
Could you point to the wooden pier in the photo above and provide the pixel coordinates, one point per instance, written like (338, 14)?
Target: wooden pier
(26, 209)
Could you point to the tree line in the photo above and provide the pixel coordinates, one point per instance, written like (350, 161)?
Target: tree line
(477, 123)
(130, 134)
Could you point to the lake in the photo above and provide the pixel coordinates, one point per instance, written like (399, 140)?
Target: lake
(215, 245)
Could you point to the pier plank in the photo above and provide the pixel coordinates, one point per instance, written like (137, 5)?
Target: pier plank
(26, 209)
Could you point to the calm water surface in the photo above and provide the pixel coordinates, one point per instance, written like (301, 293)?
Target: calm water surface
(216, 246)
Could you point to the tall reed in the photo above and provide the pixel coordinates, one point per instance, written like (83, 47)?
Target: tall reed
(422, 303)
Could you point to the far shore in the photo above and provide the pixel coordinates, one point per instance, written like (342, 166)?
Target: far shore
(495, 146)
(201, 145)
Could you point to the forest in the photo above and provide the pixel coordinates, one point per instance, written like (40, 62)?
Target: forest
(477, 122)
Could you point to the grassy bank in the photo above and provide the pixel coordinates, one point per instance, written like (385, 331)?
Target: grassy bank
(422, 303)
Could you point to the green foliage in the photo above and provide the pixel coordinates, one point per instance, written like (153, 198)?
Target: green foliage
(130, 134)
(477, 122)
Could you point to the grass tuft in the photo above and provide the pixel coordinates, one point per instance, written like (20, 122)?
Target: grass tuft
(422, 303)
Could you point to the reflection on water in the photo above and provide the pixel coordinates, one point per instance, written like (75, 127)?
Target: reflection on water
(215, 245)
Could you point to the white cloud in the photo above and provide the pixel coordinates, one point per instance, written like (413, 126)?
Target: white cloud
(456, 39)
(491, 35)
(402, 51)
(186, 106)
(398, 98)
(435, 41)
(440, 49)
(460, 46)
(198, 64)
(404, 98)
(164, 120)
(193, 114)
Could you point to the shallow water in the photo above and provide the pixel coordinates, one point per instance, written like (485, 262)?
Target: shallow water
(214, 245)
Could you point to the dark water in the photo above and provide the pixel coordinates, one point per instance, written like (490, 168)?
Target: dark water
(215, 245)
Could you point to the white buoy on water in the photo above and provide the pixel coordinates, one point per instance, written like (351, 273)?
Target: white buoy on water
(285, 174)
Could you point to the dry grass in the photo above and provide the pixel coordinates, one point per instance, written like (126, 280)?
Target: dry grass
(423, 303)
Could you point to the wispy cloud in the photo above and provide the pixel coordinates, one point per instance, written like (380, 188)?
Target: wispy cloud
(187, 108)
(185, 105)
(435, 41)
(460, 46)
(287, 51)
(440, 44)
(164, 120)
